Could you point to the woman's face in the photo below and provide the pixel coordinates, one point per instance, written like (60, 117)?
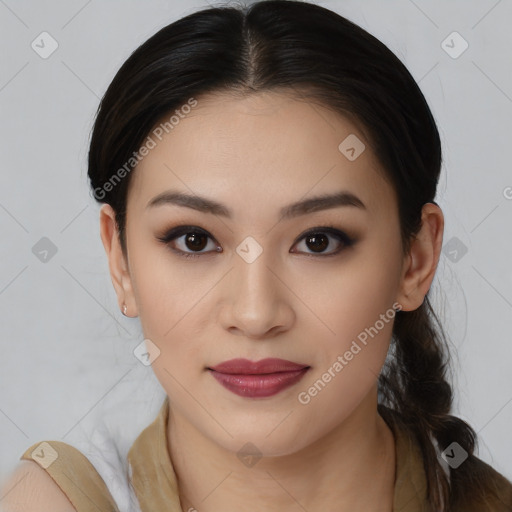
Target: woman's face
(257, 286)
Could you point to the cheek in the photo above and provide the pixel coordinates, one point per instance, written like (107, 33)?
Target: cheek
(360, 312)
(366, 295)
(171, 311)
(357, 306)
(166, 289)
(356, 293)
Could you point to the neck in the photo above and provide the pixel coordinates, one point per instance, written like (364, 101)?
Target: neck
(334, 473)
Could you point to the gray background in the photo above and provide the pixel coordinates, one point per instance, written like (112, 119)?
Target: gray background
(67, 358)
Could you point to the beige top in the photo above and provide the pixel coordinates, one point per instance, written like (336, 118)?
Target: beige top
(155, 483)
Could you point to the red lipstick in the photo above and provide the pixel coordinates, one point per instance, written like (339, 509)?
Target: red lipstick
(258, 379)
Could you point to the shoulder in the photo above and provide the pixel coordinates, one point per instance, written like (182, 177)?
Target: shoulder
(30, 488)
(57, 474)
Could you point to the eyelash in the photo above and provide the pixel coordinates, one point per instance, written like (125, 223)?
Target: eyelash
(179, 231)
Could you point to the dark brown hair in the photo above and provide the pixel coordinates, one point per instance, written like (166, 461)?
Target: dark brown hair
(310, 51)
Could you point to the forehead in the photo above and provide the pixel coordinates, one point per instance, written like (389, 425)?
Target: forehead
(259, 150)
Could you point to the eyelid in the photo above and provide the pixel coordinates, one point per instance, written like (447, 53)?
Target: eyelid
(325, 228)
(181, 230)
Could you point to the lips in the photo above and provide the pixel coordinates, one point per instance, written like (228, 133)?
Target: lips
(246, 367)
(258, 379)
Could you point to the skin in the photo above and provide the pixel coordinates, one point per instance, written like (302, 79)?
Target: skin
(256, 155)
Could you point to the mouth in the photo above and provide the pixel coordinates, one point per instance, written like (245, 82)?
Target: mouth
(258, 379)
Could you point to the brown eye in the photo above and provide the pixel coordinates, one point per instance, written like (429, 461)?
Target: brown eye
(195, 241)
(318, 241)
(187, 238)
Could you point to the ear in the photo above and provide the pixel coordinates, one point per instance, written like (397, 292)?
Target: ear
(118, 266)
(420, 264)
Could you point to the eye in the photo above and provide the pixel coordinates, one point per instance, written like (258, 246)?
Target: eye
(196, 240)
(317, 240)
(193, 238)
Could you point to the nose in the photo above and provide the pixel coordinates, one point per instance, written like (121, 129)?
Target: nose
(257, 302)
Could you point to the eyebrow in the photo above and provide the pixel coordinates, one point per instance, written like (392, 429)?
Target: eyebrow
(206, 205)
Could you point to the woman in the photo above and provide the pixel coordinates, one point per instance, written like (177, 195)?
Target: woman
(268, 177)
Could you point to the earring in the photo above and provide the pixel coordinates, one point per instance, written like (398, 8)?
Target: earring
(124, 309)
